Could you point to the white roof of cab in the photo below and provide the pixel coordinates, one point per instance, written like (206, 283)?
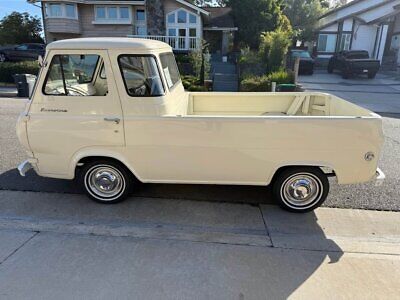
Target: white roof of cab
(109, 43)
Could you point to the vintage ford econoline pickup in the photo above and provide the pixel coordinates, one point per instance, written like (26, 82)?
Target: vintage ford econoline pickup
(112, 111)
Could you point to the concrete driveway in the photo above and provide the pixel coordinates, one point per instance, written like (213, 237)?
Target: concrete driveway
(381, 95)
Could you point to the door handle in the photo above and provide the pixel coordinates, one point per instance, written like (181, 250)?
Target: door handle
(115, 120)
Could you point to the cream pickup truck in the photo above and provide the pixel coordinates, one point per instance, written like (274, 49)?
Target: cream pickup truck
(112, 112)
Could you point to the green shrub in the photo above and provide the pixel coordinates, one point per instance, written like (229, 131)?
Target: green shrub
(195, 58)
(8, 69)
(250, 63)
(255, 84)
(281, 77)
(192, 83)
(182, 58)
(197, 88)
(274, 47)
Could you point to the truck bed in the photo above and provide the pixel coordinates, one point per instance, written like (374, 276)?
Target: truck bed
(272, 105)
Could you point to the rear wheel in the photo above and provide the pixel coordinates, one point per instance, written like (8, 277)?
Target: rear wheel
(371, 75)
(345, 75)
(301, 189)
(106, 181)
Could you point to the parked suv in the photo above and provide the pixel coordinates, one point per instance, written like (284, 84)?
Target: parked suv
(354, 62)
(22, 52)
(306, 61)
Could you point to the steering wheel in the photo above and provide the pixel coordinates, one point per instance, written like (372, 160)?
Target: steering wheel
(142, 90)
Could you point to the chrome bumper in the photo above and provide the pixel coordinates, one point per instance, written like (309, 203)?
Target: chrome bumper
(380, 177)
(24, 168)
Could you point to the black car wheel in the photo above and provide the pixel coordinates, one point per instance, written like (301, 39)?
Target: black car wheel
(371, 75)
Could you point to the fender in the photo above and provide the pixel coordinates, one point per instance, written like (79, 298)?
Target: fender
(111, 152)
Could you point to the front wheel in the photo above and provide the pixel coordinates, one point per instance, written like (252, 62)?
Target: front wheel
(106, 181)
(301, 189)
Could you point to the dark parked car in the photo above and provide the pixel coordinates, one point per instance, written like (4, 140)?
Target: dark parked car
(22, 52)
(354, 62)
(306, 61)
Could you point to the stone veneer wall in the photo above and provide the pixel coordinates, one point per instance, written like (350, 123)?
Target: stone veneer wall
(155, 17)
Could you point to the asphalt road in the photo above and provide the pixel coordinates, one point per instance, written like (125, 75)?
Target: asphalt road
(364, 196)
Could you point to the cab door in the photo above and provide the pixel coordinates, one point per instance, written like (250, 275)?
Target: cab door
(75, 108)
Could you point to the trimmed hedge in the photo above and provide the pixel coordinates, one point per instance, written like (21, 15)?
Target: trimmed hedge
(8, 69)
(281, 77)
(255, 84)
(263, 83)
(192, 84)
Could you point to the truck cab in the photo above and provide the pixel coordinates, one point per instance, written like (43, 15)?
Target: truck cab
(109, 112)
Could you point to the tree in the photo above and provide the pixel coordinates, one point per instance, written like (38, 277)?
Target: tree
(17, 28)
(274, 47)
(253, 17)
(303, 15)
(209, 2)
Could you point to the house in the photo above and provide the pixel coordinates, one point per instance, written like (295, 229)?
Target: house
(372, 25)
(178, 22)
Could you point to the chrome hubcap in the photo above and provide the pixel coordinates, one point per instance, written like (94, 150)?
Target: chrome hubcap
(105, 182)
(301, 190)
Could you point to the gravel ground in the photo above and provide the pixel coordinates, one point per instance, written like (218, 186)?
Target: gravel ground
(363, 196)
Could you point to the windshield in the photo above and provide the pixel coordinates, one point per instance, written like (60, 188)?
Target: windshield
(302, 54)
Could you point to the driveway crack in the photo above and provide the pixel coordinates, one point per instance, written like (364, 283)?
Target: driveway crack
(21, 246)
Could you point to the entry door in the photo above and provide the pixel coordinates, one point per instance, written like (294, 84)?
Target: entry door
(182, 40)
(76, 109)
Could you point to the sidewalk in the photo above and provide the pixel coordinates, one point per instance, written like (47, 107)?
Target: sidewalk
(64, 246)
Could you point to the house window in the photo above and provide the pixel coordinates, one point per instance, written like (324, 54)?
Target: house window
(182, 16)
(172, 32)
(124, 12)
(61, 10)
(345, 40)
(70, 10)
(100, 13)
(112, 15)
(55, 10)
(327, 42)
(171, 18)
(140, 15)
(192, 19)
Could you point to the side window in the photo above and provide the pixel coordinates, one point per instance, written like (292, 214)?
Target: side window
(141, 76)
(73, 75)
(170, 69)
